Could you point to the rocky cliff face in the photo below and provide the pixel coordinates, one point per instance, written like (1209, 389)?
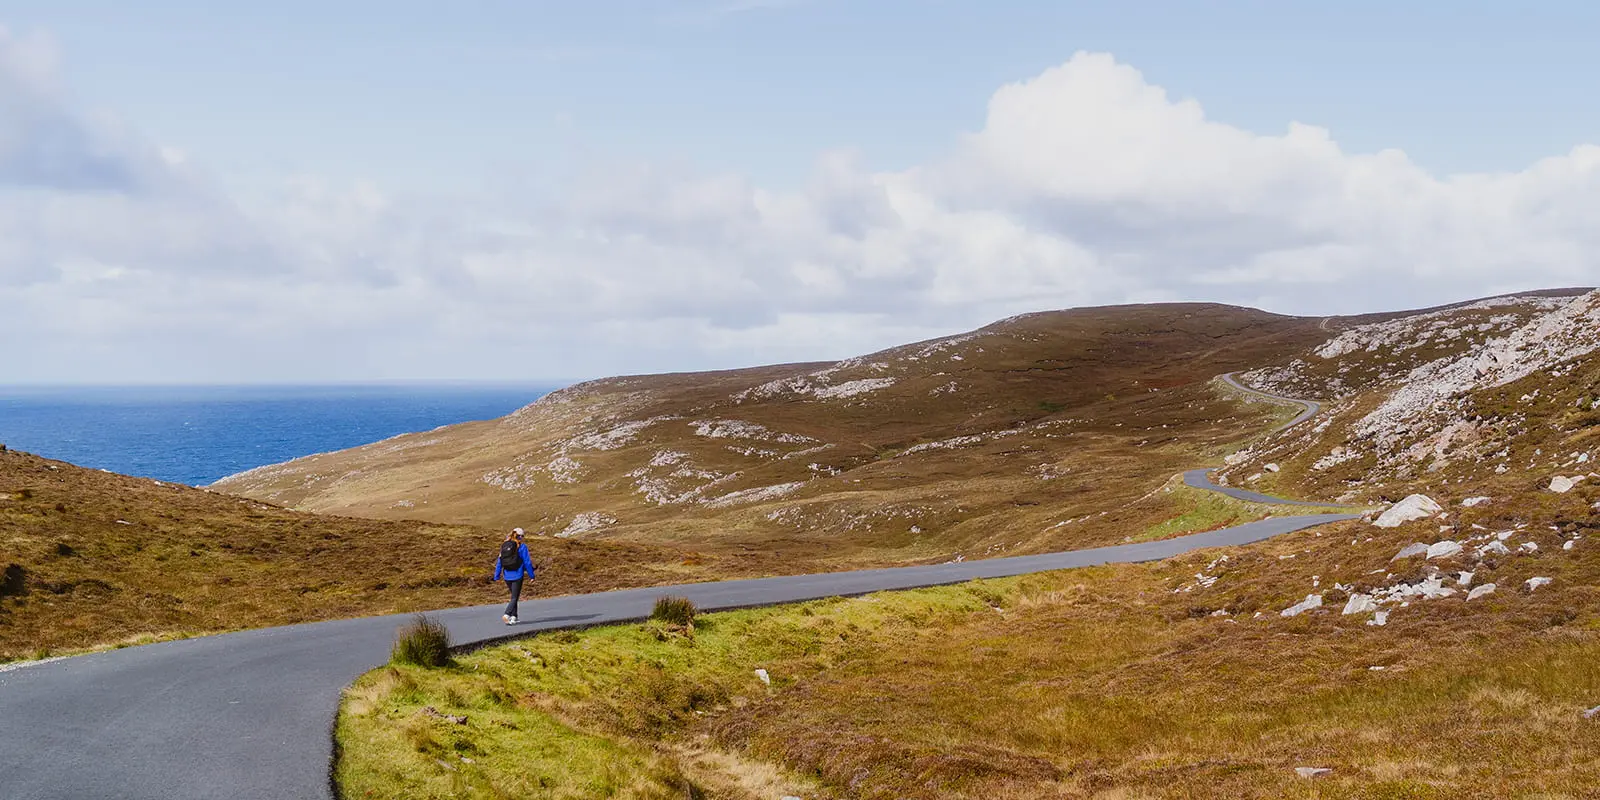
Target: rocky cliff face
(1458, 395)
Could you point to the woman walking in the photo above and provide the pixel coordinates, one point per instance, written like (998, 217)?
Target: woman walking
(513, 566)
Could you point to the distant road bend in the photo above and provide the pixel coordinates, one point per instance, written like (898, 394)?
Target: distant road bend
(248, 715)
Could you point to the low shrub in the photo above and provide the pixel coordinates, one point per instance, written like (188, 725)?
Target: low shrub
(424, 643)
(676, 610)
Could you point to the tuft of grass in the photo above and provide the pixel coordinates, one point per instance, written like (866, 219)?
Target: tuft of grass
(674, 610)
(424, 642)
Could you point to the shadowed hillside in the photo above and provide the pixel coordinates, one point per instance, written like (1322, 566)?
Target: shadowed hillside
(91, 558)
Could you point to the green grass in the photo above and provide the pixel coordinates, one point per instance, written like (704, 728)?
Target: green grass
(1103, 682)
(674, 610)
(1195, 511)
(425, 642)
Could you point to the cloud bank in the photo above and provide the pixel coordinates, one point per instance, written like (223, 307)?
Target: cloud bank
(121, 261)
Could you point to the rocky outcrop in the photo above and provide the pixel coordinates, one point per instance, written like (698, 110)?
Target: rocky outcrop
(1417, 506)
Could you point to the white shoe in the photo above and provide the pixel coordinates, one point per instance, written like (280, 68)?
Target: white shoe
(513, 621)
(506, 618)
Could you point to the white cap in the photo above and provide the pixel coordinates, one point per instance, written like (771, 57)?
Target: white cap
(516, 530)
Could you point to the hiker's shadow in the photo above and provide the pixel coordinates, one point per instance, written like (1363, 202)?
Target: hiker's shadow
(572, 618)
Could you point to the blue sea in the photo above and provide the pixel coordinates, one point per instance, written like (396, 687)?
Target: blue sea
(195, 435)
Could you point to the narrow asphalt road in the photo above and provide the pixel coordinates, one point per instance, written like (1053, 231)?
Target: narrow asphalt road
(248, 715)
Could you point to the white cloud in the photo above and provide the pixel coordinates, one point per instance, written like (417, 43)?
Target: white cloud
(121, 260)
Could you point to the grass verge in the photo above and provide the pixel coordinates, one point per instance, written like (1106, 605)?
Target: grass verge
(1111, 682)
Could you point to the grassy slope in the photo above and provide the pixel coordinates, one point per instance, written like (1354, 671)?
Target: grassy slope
(91, 558)
(1120, 682)
(1114, 682)
(1073, 413)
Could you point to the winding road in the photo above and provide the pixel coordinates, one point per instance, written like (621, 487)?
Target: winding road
(248, 715)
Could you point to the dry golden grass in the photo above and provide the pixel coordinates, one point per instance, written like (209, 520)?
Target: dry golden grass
(1093, 683)
(1077, 412)
(104, 560)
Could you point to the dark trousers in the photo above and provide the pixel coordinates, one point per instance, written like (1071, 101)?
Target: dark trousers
(516, 594)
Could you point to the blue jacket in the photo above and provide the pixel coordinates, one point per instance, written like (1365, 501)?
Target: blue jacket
(516, 574)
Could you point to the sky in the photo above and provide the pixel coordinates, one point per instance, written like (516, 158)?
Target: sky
(301, 192)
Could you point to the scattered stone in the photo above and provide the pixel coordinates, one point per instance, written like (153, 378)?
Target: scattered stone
(1562, 485)
(1416, 506)
(1480, 591)
(1311, 601)
(1529, 546)
(1359, 604)
(1444, 549)
(1592, 713)
(1379, 619)
(762, 675)
(1410, 550)
(1271, 467)
(1496, 547)
(1472, 502)
(1253, 478)
(1311, 772)
(1567, 545)
(434, 712)
(1464, 579)
(1536, 582)
(1377, 669)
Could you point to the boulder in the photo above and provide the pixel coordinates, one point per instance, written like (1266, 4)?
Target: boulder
(1480, 591)
(1536, 582)
(1410, 550)
(1311, 772)
(1270, 467)
(762, 675)
(1359, 604)
(1472, 502)
(1380, 618)
(1464, 579)
(1561, 485)
(1496, 547)
(1444, 549)
(1417, 506)
(1592, 713)
(1311, 601)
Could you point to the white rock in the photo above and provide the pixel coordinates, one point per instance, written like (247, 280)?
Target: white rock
(1271, 467)
(1530, 547)
(762, 675)
(1480, 591)
(1562, 485)
(1567, 545)
(1592, 713)
(1311, 772)
(1494, 547)
(1536, 582)
(1474, 501)
(1413, 549)
(1464, 579)
(1359, 604)
(1416, 506)
(1311, 601)
(1253, 478)
(1380, 619)
(1444, 549)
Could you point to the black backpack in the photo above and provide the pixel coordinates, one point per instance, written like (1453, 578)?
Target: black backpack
(510, 557)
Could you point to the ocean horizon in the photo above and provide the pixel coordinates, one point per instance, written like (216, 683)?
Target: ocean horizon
(196, 434)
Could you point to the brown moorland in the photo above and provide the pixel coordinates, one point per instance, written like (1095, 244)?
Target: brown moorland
(89, 558)
(1200, 676)
(1048, 431)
